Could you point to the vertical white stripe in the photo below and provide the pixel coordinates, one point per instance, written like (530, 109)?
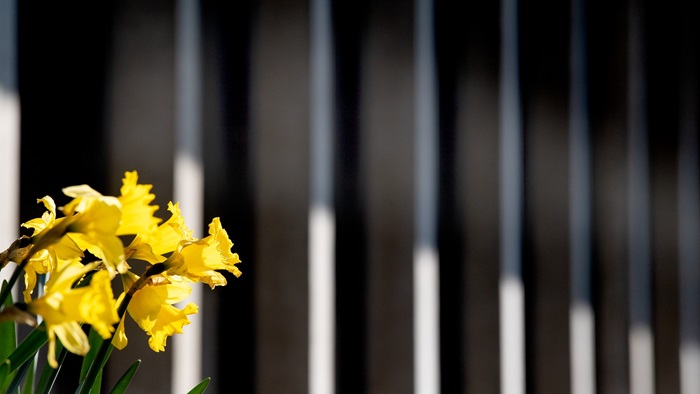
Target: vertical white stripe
(641, 343)
(581, 323)
(512, 319)
(188, 179)
(321, 302)
(9, 132)
(426, 260)
(321, 216)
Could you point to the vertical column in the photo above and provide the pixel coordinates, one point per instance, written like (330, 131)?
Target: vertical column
(663, 49)
(352, 267)
(387, 153)
(689, 210)
(581, 320)
(188, 177)
(322, 213)
(511, 199)
(545, 70)
(426, 305)
(607, 88)
(476, 203)
(281, 148)
(140, 107)
(9, 129)
(640, 335)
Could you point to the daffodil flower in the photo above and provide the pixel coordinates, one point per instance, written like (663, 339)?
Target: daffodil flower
(153, 246)
(151, 307)
(201, 260)
(64, 308)
(93, 223)
(53, 257)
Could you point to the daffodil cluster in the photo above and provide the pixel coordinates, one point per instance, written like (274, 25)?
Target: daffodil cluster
(83, 251)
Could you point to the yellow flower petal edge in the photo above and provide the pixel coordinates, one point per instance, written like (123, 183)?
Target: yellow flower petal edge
(137, 214)
(152, 309)
(199, 260)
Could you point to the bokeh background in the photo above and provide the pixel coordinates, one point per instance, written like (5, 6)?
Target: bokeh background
(455, 196)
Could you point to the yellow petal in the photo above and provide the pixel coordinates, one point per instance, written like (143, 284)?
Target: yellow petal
(120, 340)
(137, 214)
(170, 321)
(72, 337)
(169, 234)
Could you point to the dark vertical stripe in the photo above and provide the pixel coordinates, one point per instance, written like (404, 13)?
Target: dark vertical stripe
(280, 139)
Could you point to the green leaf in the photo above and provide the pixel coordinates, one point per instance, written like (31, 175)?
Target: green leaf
(8, 343)
(48, 375)
(8, 333)
(93, 377)
(95, 341)
(199, 388)
(124, 381)
(28, 386)
(25, 351)
(13, 387)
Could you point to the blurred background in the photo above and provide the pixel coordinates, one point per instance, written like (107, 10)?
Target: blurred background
(427, 196)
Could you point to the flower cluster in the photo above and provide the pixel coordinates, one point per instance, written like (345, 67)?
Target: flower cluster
(83, 252)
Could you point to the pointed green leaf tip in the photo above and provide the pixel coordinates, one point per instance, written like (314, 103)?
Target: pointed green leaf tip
(124, 381)
(198, 389)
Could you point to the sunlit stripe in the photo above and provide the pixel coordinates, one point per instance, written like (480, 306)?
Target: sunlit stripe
(690, 365)
(321, 301)
(689, 226)
(426, 321)
(641, 345)
(188, 179)
(582, 329)
(426, 260)
(512, 314)
(581, 323)
(512, 321)
(321, 216)
(9, 133)
(641, 359)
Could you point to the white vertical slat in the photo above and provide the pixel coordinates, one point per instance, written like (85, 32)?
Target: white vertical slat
(426, 259)
(581, 325)
(426, 315)
(9, 130)
(512, 319)
(188, 177)
(641, 344)
(689, 226)
(321, 215)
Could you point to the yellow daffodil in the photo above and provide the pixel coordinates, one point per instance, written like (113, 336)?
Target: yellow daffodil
(64, 308)
(152, 247)
(93, 220)
(137, 214)
(152, 309)
(200, 260)
(53, 257)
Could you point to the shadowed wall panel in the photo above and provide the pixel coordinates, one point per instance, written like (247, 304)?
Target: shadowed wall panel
(608, 96)
(140, 119)
(351, 239)
(469, 187)
(230, 337)
(663, 59)
(280, 130)
(545, 75)
(387, 152)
